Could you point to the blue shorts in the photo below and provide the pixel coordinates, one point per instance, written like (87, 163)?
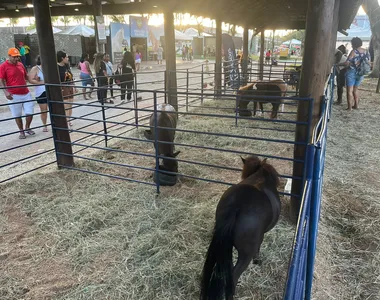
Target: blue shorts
(86, 79)
(353, 79)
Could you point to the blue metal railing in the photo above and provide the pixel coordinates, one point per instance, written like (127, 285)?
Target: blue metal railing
(301, 267)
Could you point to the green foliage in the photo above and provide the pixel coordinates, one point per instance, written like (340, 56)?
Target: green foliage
(298, 35)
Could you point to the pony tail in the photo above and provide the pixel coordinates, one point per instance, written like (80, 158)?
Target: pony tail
(217, 271)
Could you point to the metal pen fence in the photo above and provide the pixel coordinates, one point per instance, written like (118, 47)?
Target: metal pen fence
(301, 267)
(107, 140)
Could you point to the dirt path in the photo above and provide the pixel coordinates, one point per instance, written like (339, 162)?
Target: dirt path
(348, 259)
(27, 268)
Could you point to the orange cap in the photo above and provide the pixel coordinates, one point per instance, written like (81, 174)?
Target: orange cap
(13, 52)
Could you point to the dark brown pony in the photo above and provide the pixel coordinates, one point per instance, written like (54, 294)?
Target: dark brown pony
(167, 120)
(260, 96)
(245, 212)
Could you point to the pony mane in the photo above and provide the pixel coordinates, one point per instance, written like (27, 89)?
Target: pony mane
(253, 165)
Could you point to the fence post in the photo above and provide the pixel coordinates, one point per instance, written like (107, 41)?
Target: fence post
(104, 124)
(270, 71)
(135, 103)
(202, 82)
(187, 90)
(378, 86)
(156, 142)
(165, 81)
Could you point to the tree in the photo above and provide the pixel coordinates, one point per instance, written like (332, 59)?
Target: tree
(65, 20)
(54, 20)
(13, 22)
(117, 18)
(372, 9)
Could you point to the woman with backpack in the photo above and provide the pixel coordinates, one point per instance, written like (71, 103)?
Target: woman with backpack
(358, 66)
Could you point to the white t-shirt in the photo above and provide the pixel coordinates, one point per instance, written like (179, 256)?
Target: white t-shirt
(109, 68)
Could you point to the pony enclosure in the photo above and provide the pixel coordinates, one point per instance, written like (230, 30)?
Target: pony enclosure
(117, 171)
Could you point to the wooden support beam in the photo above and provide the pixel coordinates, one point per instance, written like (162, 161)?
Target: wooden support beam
(170, 57)
(262, 47)
(319, 25)
(218, 57)
(51, 76)
(245, 55)
(97, 7)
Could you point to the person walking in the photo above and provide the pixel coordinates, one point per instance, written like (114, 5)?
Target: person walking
(110, 73)
(160, 52)
(138, 57)
(86, 75)
(37, 77)
(127, 67)
(13, 73)
(353, 79)
(67, 88)
(101, 77)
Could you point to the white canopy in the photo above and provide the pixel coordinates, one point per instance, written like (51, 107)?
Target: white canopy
(34, 31)
(79, 30)
(193, 32)
(293, 42)
(180, 36)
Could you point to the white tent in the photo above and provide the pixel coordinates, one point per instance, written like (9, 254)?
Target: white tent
(194, 33)
(79, 30)
(180, 36)
(34, 31)
(293, 42)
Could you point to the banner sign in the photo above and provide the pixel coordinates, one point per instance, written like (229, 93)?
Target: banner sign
(139, 27)
(230, 64)
(120, 39)
(101, 29)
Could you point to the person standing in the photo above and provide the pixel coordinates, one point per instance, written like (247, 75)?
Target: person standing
(340, 70)
(22, 53)
(27, 56)
(67, 88)
(86, 75)
(109, 68)
(160, 52)
(127, 68)
(353, 79)
(37, 77)
(101, 77)
(267, 57)
(13, 73)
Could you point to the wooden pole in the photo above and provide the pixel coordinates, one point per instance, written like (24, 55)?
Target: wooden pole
(218, 57)
(51, 76)
(262, 46)
(97, 8)
(171, 82)
(319, 25)
(245, 55)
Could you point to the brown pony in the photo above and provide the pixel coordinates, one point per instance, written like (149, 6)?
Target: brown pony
(260, 95)
(244, 213)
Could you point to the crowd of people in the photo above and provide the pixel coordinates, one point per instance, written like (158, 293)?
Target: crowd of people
(14, 77)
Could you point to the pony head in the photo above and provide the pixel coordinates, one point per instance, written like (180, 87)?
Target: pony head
(170, 165)
(253, 165)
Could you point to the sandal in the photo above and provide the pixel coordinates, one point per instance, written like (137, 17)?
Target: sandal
(29, 131)
(22, 136)
(45, 129)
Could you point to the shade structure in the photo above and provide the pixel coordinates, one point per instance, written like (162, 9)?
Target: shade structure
(292, 42)
(194, 33)
(81, 30)
(180, 36)
(34, 31)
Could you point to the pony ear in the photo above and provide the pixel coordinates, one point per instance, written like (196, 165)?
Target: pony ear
(176, 153)
(242, 159)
